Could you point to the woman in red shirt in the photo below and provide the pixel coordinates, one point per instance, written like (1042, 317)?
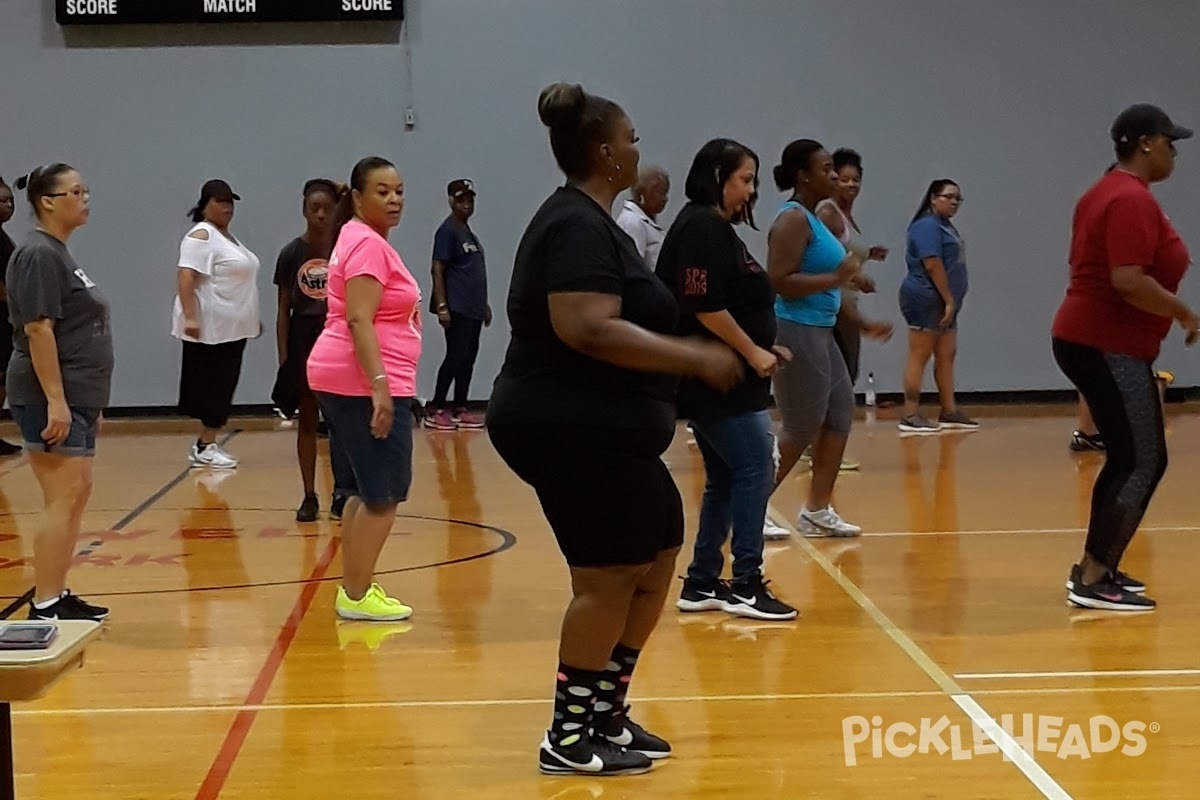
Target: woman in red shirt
(1126, 265)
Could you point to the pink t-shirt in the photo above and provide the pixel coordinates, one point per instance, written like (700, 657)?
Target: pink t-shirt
(332, 366)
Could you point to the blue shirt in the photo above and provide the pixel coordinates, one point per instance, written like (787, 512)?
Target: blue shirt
(931, 236)
(822, 256)
(465, 274)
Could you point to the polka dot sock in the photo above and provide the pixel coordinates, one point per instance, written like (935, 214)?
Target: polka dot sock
(612, 688)
(574, 699)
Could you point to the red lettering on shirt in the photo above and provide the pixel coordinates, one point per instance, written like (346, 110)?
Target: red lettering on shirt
(695, 282)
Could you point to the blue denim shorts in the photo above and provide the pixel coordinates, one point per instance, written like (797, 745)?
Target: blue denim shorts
(80, 441)
(923, 311)
(379, 469)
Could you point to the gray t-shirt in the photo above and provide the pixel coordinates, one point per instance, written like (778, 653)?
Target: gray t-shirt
(44, 282)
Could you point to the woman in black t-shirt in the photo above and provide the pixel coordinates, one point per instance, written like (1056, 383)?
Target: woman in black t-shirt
(582, 411)
(725, 295)
(301, 273)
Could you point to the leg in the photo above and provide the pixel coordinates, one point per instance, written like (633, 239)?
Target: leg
(1087, 425)
(944, 353)
(920, 348)
(818, 516)
(472, 331)
(699, 592)
(447, 370)
(306, 442)
(801, 391)
(66, 483)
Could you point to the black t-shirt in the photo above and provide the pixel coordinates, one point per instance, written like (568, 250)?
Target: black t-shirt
(707, 266)
(305, 277)
(573, 245)
(465, 272)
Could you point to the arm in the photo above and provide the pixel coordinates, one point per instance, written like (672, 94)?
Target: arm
(1140, 290)
(786, 243)
(282, 318)
(874, 329)
(439, 293)
(195, 262)
(937, 274)
(1134, 231)
(363, 295)
(43, 352)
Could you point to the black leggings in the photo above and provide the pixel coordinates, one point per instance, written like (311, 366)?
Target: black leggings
(462, 347)
(1121, 392)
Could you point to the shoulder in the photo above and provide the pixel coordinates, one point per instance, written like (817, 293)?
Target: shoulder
(924, 225)
(201, 231)
(791, 219)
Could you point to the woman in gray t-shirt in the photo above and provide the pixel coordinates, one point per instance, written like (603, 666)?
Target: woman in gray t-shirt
(59, 378)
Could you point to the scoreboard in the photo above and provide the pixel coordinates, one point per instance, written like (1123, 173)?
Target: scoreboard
(170, 12)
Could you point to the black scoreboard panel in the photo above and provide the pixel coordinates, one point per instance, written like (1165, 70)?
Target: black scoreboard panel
(170, 12)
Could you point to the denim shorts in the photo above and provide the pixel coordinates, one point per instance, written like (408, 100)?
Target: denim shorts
(923, 310)
(379, 469)
(80, 441)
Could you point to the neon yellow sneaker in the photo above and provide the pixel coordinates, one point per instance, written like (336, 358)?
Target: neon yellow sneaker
(375, 606)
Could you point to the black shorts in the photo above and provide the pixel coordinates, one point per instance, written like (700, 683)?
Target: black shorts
(607, 495)
(208, 377)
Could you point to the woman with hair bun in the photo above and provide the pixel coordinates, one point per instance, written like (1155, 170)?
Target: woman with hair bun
(593, 361)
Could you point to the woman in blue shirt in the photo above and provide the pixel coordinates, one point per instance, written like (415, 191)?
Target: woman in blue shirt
(931, 296)
(809, 267)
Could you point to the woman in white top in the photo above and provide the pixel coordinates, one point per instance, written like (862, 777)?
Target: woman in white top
(216, 311)
(837, 213)
(639, 214)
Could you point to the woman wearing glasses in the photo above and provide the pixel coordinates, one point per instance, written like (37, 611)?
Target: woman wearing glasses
(931, 297)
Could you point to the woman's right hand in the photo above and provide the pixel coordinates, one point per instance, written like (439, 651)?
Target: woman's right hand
(383, 410)
(764, 362)
(948, 314)
(846, 270)
(718, 365)
(191, 328)
(58, 423)
(1191, 326)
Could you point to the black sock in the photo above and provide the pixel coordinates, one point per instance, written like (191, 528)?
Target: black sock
(613, 687)
(574, 697)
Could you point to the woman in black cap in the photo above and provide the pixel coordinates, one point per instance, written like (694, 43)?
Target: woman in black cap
(1127, 262)
(216, 311)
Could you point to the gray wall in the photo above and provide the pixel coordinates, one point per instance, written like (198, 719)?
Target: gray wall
(1012, 99)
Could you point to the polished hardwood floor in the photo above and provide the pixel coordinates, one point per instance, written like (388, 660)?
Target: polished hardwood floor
(224, 673)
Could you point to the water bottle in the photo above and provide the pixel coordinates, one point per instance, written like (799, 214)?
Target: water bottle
(871, 389)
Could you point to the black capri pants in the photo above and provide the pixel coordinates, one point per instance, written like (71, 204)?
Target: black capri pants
(1122, 394)
(608, 496)
(208, 378)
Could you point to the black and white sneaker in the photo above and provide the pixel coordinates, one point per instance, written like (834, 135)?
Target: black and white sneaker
(588, 756)
(696, 597)
(620, 730)
(337, 506)
(68, 606)
(1126, 582)
(1107, 595)
(1082, 442)
(753, 599)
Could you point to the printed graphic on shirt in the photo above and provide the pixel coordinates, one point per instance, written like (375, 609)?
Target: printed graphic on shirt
(695, 282)
(87, 282)
(313, 278)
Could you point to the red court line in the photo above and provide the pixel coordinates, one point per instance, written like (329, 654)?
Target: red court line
(214, 782)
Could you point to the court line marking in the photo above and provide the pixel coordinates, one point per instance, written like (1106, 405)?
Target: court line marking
(141, 508)
(1091, 673)
(1029, 767)
(231, 747)
(999, 531)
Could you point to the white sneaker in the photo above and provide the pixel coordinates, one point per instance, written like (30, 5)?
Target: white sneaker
(826, 522)
(226, 453)
(211, 456)
(773, 531)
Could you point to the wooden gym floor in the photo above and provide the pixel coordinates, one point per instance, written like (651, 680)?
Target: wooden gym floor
(223, 672)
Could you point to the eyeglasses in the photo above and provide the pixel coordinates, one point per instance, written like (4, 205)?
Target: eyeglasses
(76, 193)
(958, 198)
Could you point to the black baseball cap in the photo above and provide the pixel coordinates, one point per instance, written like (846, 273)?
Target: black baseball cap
(217, 189)
(1144, 119)
(460, 187)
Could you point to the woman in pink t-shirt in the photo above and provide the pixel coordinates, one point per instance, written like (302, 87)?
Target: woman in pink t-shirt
(363, 370)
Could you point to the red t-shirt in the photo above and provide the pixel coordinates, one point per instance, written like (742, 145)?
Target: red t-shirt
(1118, 223)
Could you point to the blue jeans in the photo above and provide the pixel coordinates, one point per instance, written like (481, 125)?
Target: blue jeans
(739, 465)
(378, 471)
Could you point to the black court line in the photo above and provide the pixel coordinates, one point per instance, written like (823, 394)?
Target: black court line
(141, 508)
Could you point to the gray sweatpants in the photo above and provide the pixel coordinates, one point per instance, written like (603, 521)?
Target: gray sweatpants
(813, 390)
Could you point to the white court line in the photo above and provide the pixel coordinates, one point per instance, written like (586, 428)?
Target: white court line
(1094, 673)
(999, 531)
(1029, 767)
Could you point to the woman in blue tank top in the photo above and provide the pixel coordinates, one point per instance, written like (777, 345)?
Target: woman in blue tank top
(809, 267)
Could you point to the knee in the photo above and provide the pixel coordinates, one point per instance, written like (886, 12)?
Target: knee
(658, 577)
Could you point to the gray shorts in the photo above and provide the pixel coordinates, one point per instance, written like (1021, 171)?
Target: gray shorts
(813, 390)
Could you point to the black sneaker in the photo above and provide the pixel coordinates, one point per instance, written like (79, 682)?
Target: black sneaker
(1082, 442)
(697, 597)
(68, 606)
(588, 756)
(8, 448)
(1107, 595)
(308, 510)
(337, 507)
(753, 599)
(620, 730)
(1126, 582)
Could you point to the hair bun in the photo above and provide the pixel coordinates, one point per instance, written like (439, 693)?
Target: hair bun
(561, 105)
(782, 179)
(20, 183)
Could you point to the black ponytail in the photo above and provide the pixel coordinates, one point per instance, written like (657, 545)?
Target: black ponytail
(41, 183)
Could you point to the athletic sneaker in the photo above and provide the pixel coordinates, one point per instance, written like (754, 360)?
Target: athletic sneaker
(211, 456)
(68, 606)
(337, 506)
(773, 531)
(465, 419)
(957, 420)
(696, 597)
(308, 510)
(826, 522)
(1124, 581)
(847, 465)
(753, 599)
(440, 420)
(915, 423)
(1107, 595)
(1082, 442)
(8, 448)
(620, 730)
(375, 606)
(590, 756)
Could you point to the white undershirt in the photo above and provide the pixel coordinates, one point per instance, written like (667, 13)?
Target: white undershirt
(226, 291)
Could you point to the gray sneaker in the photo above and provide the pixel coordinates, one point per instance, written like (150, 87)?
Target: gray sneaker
(957, 420)
(915, 423)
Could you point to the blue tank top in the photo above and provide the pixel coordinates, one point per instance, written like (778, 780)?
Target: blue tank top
(823, 255)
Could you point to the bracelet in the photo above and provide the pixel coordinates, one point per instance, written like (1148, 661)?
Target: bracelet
(378, 378)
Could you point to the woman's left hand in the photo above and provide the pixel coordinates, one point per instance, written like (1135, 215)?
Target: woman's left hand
(784, 353)
(879, 331)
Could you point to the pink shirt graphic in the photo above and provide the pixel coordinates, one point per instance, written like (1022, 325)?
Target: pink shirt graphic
(332, 366)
